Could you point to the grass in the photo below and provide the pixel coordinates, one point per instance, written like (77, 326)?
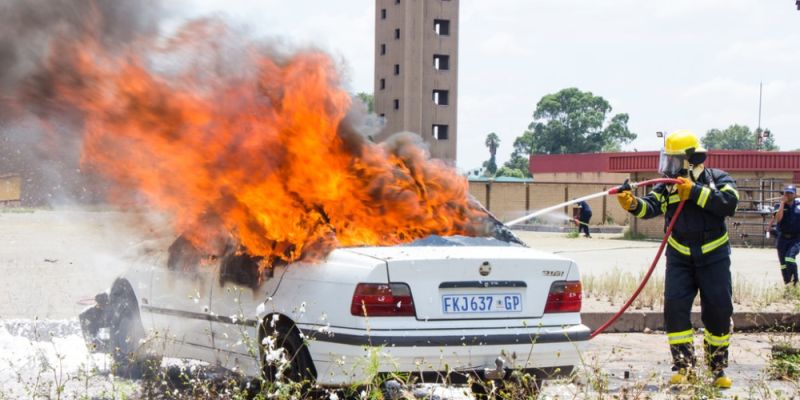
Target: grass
(631, 235)
(616, 286)
(591, 380)
(17, 210)
(784, 362)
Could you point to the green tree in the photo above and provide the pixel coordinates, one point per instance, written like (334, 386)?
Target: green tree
(492, 142)
(368, 100)
(572, 121)
(736, 137)
(523, 147)
(512, 172)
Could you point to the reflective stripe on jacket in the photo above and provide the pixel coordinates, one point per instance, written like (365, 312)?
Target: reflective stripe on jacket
(713, 198)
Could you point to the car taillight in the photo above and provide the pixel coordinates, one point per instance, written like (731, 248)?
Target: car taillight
(564, 296)
(382, 300)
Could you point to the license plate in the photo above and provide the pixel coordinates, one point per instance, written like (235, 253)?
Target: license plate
(481, 303)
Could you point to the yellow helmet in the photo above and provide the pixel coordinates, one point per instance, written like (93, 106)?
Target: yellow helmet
(679, 142)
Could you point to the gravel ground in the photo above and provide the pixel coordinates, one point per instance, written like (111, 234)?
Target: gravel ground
(39, 356)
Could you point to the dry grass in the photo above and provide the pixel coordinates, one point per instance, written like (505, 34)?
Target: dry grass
(616, 286)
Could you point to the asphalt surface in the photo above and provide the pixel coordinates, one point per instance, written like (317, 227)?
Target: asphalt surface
(54, 262)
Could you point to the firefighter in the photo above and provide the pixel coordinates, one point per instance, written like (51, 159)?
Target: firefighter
(584, 217)
(698, 255)
(787, 217)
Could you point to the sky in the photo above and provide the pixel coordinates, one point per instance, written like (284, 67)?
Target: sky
(677, 64)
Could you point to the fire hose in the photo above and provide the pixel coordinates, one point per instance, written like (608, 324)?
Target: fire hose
(630, 186)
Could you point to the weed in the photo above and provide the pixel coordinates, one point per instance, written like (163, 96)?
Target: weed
(615, 286)
(17, 210)
(631, 235)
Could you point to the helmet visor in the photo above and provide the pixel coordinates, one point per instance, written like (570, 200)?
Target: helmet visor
(670, 165)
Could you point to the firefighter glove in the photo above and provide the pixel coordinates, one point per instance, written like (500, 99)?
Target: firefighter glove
(684, 188)
(627, 200)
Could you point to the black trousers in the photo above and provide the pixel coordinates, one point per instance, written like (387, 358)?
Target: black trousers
(584, 227)
(685, 276)
(787, 253)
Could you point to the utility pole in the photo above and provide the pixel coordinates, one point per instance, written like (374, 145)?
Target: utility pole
(760, 92)
(758, 129)
(761, 134)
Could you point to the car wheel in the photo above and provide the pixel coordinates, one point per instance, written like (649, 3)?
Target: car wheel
(295, 365)
(126, 333)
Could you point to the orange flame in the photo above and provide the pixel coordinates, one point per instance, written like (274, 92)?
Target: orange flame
(235, 143)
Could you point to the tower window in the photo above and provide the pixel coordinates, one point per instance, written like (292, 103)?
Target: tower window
(397, 69)
(441, 62)
(383, 84)
(383, 13)
(396, 104)
(383, 48)
(439, 132)
(397, 33)
(441, 27)
(440, 97)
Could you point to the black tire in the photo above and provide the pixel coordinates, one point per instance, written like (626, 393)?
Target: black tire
(126, 334)
(300, 368)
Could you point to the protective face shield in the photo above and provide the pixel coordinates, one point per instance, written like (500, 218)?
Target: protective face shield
(672, 166)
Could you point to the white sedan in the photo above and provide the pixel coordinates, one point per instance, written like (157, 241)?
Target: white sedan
(438, 308)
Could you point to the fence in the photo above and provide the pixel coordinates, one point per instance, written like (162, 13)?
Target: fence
(510, 200)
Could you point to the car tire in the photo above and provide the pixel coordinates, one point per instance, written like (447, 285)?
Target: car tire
(126, 334)
(300, 368)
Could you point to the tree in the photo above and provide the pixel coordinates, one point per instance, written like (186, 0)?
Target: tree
(736, 137)
(571, 121)
(368, 100)
(523, 147)
(492, 142)
(512, 172)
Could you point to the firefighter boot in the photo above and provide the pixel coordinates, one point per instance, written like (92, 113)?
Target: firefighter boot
(679, 378)
(722, 381)
(682, 376)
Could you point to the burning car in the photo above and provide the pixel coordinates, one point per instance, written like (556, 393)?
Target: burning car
(440, 308)
(302, 236)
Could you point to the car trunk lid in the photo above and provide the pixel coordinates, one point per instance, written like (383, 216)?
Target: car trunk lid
(458, 283)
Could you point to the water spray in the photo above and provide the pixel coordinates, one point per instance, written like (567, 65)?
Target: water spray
(621, 188)
(627, 186)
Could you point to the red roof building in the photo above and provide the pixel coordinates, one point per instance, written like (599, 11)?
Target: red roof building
(759, 175)
(771, 164)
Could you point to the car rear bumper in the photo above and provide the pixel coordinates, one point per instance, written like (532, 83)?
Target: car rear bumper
(343, 356)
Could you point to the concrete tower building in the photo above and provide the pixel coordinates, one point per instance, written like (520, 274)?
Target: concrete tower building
(416, 70)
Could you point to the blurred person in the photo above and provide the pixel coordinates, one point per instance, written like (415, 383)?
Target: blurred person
(584, 217)
(786, 220)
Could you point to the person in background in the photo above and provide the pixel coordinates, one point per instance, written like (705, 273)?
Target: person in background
(787, 219)
(583, 218)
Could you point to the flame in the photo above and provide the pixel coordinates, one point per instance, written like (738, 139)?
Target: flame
(238, 144)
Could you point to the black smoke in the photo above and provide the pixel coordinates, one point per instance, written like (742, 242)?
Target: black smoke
(31, 36)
